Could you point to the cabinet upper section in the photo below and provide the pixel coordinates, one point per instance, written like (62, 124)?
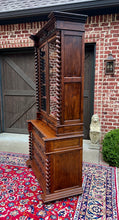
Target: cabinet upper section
(59, 72)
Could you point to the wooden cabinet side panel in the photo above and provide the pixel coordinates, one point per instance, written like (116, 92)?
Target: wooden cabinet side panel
(72, 80)
(72, 101)
(67, 172)
(72, 55)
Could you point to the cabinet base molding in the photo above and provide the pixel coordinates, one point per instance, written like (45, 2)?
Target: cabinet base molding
(56, 195)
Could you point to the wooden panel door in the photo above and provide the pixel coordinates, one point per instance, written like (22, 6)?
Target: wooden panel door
(73, 79)
(88, 87)
(18, 88)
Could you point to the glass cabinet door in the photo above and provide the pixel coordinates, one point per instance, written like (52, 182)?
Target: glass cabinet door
(48, 66)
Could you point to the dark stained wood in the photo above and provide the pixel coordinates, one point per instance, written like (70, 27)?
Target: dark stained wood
(62, 156)
(72, 99)
(43, 128)
(72, 56)
(18, 88)
(72, 67)
(68, 129)
(69, 26)
(68, 169)
(55, 140)
(47, 80)
(72, 79)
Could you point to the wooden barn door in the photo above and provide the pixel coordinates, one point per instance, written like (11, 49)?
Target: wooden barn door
(18, 90)
(88, 87)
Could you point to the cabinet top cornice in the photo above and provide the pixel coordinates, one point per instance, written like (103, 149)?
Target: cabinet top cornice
(56, 22)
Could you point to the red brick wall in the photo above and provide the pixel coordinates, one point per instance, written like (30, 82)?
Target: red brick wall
(17, 35)
(104, 31)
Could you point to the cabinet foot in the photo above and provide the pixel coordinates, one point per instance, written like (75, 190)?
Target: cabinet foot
(28, 163)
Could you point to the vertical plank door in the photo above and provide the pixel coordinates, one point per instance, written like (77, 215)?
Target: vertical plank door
(18, 90)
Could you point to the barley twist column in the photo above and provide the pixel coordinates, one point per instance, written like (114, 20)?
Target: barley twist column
(58, 75)
(37, 79)
(48, 176)
(30, 141)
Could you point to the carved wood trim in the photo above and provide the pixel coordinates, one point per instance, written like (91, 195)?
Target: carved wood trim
(47, 80)
(30, 145)
(48, 175)
(30, 140)
(38, 92)
(58, 75)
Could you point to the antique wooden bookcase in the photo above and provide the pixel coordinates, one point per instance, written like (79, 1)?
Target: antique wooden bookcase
(55, 137)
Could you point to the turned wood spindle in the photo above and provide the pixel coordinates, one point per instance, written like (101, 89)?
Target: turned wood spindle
(58, 74)
(30, 145)
(48, 175)
(37, 78)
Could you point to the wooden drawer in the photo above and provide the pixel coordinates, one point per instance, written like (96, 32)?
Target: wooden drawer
(63, 144)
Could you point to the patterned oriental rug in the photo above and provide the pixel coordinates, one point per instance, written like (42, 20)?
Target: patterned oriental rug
(20, 193)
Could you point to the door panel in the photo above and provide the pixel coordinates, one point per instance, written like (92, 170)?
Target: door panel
(72, 101)
(18, 88)
(88, 88)
(72, 56)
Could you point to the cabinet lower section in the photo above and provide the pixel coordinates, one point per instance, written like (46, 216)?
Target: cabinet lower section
(56, 161)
